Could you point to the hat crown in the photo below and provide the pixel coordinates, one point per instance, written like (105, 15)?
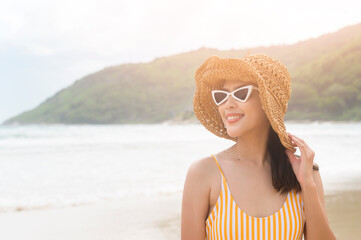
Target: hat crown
(274, 73)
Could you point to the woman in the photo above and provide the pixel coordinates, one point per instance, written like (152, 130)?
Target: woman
(257, 188)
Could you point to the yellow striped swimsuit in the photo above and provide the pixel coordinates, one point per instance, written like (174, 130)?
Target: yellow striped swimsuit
(228, 221)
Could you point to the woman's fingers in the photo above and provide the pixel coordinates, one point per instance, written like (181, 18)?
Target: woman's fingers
(307, 150)
(301, 144)
(292, 157)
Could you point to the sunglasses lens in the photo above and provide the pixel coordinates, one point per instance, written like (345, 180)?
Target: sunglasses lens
(241, 94)
(219, 96)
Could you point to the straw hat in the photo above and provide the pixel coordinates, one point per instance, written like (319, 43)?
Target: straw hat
(271, 76)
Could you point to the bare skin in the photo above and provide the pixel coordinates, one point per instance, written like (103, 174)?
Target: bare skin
(246, 169)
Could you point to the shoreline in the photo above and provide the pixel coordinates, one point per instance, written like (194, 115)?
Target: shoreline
(176, 122)
(195, 121)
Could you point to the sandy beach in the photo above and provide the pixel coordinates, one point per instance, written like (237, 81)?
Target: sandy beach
(133, 218)
(343, 210)
(145, 217)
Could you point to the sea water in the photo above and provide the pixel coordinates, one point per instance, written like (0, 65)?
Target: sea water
(47, 166)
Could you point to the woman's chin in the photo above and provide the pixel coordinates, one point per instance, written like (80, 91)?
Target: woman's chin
(234, 129)
(233, 134)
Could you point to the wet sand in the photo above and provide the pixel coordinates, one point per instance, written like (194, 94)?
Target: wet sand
(157, 217)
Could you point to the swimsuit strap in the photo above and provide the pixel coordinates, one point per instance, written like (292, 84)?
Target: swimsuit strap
(218, 165)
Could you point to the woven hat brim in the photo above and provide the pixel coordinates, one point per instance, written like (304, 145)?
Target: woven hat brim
(274, 114)
(205, 110)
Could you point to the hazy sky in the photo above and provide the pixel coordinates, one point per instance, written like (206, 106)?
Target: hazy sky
(47, 45)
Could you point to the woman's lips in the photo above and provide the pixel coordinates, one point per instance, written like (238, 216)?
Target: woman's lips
(232, 118)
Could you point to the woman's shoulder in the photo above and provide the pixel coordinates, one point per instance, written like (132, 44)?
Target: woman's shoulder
(202, 166)
(198, 181)
(203, 170)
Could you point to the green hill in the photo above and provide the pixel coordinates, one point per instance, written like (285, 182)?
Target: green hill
(325, 71)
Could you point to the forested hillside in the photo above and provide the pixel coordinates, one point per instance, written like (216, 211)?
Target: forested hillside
(325, 71)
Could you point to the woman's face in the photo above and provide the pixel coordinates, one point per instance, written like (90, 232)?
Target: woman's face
(241, 118)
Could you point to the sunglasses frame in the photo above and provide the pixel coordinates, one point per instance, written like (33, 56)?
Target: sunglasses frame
(250, 88)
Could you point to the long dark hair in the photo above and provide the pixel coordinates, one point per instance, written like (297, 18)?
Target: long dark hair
(283, 177)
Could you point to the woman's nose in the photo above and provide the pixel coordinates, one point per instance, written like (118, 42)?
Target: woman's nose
(230, 102)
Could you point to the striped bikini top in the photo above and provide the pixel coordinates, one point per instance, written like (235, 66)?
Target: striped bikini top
(228, 221)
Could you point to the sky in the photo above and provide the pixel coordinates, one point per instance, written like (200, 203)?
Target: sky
(47, 45)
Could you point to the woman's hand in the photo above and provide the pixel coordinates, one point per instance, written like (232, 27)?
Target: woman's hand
(302, 165)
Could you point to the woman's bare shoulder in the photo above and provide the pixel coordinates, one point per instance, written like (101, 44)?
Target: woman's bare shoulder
(204, 170)
(202, 167)
(197, 185)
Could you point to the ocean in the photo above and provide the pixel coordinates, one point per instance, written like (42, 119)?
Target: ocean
(50, 166)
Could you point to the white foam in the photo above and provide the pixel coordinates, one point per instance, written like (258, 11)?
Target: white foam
(44, 166)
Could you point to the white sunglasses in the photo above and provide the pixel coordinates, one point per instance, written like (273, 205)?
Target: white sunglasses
(241, 94)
